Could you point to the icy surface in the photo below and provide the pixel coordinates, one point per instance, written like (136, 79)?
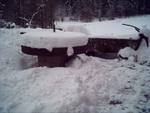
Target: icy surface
(86, 85)
(46, 38)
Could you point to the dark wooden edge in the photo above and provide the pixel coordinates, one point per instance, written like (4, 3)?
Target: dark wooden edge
(101, 45)
(54, 52)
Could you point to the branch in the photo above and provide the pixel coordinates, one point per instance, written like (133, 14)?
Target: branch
(136, 28)
(38, 10)
(109, 4)
(30, 22)
(23, 18)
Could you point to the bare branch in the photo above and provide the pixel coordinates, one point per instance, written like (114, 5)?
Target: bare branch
(34, 14)
(23, 18)
(30, 22)
(136, 28)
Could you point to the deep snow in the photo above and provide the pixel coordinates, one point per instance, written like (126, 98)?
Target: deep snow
(46, 38)
(108, 29)
(85, 85)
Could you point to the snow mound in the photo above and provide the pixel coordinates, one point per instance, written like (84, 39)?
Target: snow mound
(87, 85)
(127, 52)
(142, 54)
(145, 31)
(70, 51)
(48, 39)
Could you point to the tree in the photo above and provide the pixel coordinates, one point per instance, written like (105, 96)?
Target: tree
(45, 14)
(23, 11)
(10, 11)
(2, 5)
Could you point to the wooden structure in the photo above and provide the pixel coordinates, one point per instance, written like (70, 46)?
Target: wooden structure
(107, 47)
(111, 45)
(100, 47)
(56, 58)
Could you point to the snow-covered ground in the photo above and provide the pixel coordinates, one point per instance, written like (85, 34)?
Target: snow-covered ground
(85, 85)
(108, 29)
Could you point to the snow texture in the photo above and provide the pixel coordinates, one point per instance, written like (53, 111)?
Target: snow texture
(110, 29)
(86, 85)
(142, 53)
(46, 38)
(75, 28)
(127, 52)
(70, 51)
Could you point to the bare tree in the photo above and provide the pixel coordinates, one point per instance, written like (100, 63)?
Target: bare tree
(43, 16)
(35, 13)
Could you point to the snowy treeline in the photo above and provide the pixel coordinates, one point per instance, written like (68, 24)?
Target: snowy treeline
(89, 9)
(22, 12)
(43, 12)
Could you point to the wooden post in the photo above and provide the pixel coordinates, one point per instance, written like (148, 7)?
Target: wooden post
(52, 61)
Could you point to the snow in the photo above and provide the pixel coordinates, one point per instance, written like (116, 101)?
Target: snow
(110, 29)
(145, 31)
(70, 51)
(142, 53)
(86, 85)
(127, 52)
(46, 38)
(77, 28)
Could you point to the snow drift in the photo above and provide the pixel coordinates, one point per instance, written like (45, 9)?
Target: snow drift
(86, 85)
